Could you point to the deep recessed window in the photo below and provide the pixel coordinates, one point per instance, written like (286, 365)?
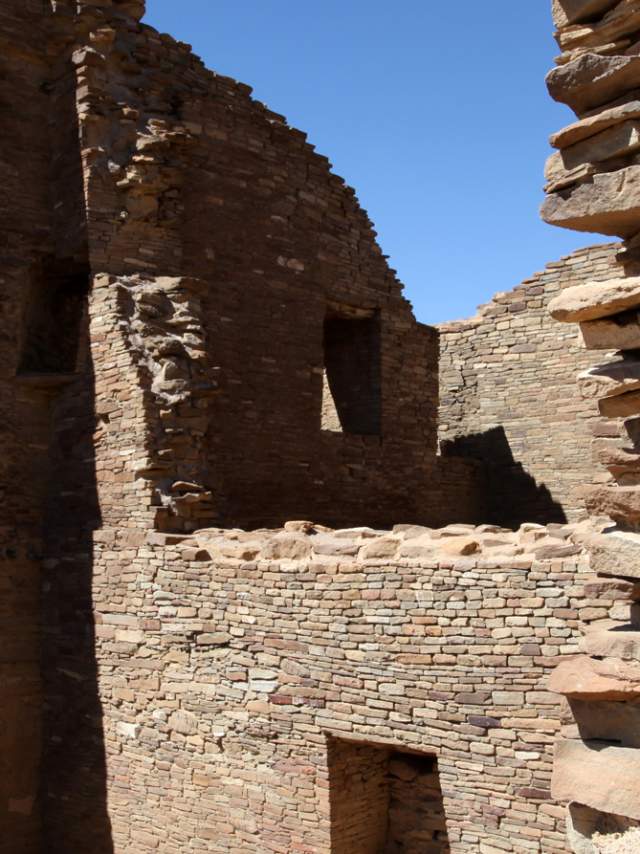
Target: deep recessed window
(351, 400)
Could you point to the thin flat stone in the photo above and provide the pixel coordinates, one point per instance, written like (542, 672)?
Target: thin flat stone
(595, 300)
(586, 128)
(609, 203)
(573, 11)
(621, 406)
(591, 80)
(610, 378)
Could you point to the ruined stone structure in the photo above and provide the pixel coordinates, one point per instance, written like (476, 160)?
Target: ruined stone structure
(508, 397)
(203, 344)
(593, 185)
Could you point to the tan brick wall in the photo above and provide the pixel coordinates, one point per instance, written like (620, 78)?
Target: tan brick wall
(508, 395)
(222, 677)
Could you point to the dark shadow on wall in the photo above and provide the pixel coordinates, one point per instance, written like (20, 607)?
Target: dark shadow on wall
(74, 790)
(512, 495)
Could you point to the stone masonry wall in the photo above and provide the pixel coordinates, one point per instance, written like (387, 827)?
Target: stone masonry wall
(509, 396)
(233, 664)
(187, 177)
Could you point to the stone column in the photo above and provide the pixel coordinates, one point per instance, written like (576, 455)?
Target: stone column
(594, 185)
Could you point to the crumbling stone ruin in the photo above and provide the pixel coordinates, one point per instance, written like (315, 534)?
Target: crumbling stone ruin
(204, 347)
(592, 185)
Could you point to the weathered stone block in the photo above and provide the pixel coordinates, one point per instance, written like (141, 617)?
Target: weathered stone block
(601, 776)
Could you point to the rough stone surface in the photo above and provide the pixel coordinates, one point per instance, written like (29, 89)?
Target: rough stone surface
(595, 300)
(508, 396)
(599, 775)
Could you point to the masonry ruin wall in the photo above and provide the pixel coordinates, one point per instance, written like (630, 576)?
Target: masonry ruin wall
(509, 397)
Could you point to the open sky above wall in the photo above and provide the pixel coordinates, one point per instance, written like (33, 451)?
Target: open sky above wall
(438, 115)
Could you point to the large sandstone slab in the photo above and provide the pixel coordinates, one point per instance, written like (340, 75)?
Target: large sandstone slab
(586, 678)
(588, 127)
(574, 163)
(598, 775)
(609, 203)
(622, 463)
(595, 300)
(615, 554)
(591, 80)
(619, 503)
(610, 378)
(573, 11)
(612, 643)
(621, 406)
(608, 721)
(618, 332)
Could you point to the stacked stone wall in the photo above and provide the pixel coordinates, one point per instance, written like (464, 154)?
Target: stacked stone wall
(508, 396)
(187, 176)
(234, 664)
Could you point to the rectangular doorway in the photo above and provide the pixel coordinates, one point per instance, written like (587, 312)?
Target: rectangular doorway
(384, 801)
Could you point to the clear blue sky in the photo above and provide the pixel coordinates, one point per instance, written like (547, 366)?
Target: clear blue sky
(436, 113)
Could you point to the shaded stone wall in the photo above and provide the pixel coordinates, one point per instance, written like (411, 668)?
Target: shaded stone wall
(509, 396)
(41, 222)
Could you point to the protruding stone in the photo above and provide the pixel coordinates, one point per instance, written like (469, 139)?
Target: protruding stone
(618, 643)
(585, 678)
(572, 164)
(622, 463)
(609, 203)
(610, 378)
(591, 80)
(609, 721)
(619, 332)
(572, 11)
(599, 775)
(588, 127)
(617, 553)
(595, 300)
(620, 406)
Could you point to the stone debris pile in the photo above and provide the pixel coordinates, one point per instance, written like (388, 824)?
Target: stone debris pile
(593, 184)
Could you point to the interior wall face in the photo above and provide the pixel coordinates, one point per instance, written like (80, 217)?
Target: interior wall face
(196, 179)
(509, 397)
(25, 233)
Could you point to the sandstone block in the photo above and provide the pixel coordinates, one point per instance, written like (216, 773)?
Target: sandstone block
(379, 548)
(608, 721)
(609, 204)
(572, 11)
(601, 776)
(616, 643)
(610, 378)
(585, 678)
(592, 79)
(595, 300)
(622, 463)
(620, 406)
(458, 545)
(287, 546)
(615, 554)
(620, 332)
(578, 161)
(585, 128)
